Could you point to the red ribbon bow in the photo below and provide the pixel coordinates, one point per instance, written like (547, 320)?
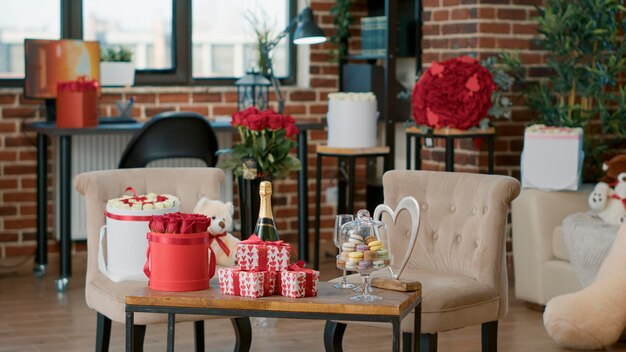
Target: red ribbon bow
(615, 196)
(219, 241)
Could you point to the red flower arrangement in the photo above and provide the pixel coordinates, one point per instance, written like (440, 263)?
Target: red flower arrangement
(266, 138)
(179, 223)
(455, 93)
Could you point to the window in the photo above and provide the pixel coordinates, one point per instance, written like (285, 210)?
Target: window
(143, 26)
(224, 39)
(204, 42)
(17, 22)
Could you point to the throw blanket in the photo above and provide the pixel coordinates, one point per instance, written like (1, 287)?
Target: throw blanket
(588, 240)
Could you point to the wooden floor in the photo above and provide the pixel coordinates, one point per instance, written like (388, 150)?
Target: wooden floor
(33, 317)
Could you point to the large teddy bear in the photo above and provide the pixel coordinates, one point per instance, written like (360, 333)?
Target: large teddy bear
(222, 242)
(608, 198)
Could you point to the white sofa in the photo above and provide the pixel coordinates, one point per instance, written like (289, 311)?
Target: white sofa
(540, 258)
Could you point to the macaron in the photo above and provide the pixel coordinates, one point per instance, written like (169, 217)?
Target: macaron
(350, 264)
(341, 263)
(355, 255)
(362, 247)
(355, 238)
(378, 264)
(343, 255)
(370, 239)
(366, 263)
(375, 248)
(348, 247)
(375, 243)
(382, 253)
(369, 255)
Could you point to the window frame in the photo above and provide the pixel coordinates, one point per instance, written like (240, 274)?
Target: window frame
(181, 73)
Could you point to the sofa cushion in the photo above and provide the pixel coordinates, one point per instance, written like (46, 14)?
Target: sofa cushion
(558, 245)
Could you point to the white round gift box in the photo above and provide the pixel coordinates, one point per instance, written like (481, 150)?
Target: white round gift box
(126, 243)
(352, 120)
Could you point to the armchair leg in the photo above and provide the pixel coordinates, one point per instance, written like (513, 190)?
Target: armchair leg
(139, 332)
(243, 334)
(333, 336)
(490, 336)
(103, 333)
(198, 331)
(428, 342)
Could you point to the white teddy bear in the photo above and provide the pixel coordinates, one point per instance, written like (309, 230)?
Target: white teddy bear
(610, 203)
(222, 242)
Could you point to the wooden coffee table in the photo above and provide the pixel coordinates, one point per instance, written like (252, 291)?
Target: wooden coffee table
(330, 304)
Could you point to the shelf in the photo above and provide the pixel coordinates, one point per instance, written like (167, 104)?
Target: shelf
(366, 57)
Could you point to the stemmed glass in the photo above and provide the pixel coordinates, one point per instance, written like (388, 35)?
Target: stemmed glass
(340, 220)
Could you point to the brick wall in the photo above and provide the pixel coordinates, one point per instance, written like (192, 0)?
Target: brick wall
(451, 28)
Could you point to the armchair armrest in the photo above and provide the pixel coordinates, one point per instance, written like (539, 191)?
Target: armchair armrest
(535, 214)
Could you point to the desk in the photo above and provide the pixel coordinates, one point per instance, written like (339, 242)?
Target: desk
(45, 130)
(449, 134)
(330, 304)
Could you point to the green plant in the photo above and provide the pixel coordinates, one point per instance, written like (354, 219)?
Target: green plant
(263, 32)
(342, 19)
(120, 54)
(585, 56)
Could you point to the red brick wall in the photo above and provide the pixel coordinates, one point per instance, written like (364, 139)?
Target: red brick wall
(451, 28)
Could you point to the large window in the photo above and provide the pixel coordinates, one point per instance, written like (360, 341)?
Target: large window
(143, 26)
(173, 41)
(18, 20)
(224, 36)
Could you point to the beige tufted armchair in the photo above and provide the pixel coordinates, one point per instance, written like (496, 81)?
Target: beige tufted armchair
(107, 297)
(459, 256)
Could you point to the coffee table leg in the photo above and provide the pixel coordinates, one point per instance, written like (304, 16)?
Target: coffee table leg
(171, 319)
(130, 321)
(243, 333)
(417, 327)
(395, 342)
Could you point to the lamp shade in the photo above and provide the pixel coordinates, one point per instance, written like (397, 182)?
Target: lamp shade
(252, 90)
(308, 32)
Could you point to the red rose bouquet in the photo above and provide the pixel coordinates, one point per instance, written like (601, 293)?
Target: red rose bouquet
(455, 93)
(266, 139)
(179, 223)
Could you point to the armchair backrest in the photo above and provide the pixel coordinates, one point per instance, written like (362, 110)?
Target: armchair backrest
(189, 184)
(463, 221)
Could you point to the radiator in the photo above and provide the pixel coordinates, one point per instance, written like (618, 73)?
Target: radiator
(103, 152)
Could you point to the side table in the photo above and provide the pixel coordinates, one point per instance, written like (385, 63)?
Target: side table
(350, 155)
(449, 134)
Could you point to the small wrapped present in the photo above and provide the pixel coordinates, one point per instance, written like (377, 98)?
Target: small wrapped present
(234, 281)
(258, 255)
(296, 281)
(77, 103)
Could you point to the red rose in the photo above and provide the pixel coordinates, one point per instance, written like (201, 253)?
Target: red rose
(288, 120)
(455, 93)
(186, 223)
(291, 130)
(240, 118)
(257, 122)
(274, 121)
(173, 223)
(201, 224)
(157, 224)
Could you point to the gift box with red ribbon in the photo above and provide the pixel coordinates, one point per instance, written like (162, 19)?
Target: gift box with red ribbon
(257, 255)
(234, 281)
(296, 281)
(77, 103)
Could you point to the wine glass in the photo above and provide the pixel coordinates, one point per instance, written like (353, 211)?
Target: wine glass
(340, 220)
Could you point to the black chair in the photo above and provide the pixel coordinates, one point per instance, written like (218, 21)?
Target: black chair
(172, 135)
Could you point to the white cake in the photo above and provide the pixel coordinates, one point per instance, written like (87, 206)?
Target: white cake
(352, 120)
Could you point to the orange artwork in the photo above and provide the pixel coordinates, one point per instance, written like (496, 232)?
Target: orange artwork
(51, 61)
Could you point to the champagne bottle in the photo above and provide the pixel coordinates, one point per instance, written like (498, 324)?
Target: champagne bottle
(265, 228)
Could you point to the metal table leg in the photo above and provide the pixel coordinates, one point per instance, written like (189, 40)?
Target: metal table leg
(318, 199)
(129, 331)
(351, 182)
(417, 327)
(449, 154)
(65, 227)
(303, 199)
(418, 153)
(490, 142)
(395, 339)
(171, 319)
(408, 151)
(41, 259)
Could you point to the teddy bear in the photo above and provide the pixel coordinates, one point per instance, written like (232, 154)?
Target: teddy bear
(222, 243)
(608, 198)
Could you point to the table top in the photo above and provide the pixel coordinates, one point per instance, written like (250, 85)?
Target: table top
(453, 132)
(329, 300)
(49, 128)
(324, 149)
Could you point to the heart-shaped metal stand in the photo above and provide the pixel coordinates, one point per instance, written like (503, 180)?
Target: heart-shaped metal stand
(411, 205)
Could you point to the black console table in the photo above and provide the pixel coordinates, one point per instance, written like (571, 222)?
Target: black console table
(45, 130)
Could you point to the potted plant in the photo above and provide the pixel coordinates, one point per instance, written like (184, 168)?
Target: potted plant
(116, 67)
(585, 55)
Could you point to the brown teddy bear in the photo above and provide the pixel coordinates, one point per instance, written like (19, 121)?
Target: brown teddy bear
(608, 198)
